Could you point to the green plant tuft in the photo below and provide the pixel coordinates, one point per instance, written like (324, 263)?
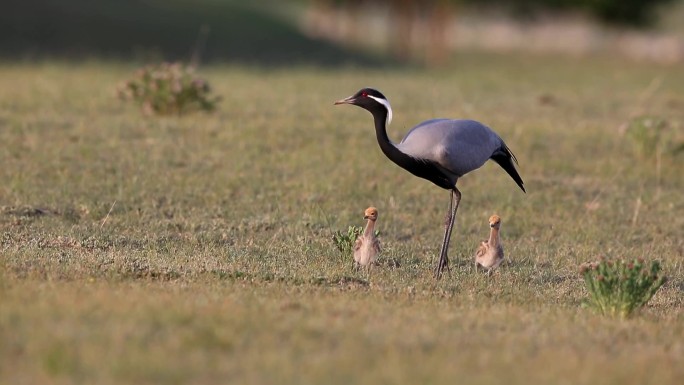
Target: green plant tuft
(619, 287)
(168, 89)
(345, 242)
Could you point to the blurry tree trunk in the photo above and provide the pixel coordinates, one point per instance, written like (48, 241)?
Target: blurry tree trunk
(322, 20)
(437, 51)
(354, 10)
(401, 18)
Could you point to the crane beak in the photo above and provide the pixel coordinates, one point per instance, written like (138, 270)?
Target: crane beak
(349, 100)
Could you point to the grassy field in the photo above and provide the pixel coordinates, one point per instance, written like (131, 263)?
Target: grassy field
(197, 249)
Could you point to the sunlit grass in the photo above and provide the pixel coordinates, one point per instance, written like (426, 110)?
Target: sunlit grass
(198, 249)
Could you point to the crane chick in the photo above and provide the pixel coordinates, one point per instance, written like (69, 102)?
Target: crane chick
(367, 246)
(490, 254)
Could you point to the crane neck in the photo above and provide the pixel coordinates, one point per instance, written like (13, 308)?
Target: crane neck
(370, 227)
(388, 148)
(422, 168)
(494, 240)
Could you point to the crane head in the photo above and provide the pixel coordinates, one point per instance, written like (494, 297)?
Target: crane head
(371, 213)
(495, 221)
(371, 100)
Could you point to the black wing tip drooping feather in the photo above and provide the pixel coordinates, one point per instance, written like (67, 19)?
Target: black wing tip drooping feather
(505, 158)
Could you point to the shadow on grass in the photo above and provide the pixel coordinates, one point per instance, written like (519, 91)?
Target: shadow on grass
(145, 30)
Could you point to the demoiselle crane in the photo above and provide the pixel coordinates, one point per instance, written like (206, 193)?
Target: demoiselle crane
(490, 254)
(439, 150)
(367, 246)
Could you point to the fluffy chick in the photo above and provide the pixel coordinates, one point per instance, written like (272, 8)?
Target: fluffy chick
(490, 254)
(367, 246)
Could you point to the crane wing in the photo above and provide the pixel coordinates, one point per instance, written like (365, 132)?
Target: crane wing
(358, 243)
(458, 146)
(482, 250)
(376, 245)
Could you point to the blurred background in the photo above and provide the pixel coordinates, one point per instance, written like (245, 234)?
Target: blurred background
(338, 32)
(165, 249)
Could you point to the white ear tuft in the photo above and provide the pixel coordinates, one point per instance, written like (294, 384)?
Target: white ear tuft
(385, 103)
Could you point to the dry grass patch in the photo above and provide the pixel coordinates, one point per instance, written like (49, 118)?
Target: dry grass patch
(198, 249)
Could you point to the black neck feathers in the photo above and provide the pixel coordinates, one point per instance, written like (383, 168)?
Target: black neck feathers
(421, 168)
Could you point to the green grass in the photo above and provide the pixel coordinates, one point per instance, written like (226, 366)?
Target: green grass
(198, 250)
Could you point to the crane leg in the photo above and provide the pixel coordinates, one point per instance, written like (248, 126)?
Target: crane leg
(454, 201)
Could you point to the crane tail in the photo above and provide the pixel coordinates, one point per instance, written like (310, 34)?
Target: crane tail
(505, 158)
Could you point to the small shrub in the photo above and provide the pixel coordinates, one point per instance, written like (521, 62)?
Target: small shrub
(168, 89)
(345, 242)
(619, 287)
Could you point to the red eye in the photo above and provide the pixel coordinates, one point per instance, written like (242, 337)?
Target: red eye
(364, 93)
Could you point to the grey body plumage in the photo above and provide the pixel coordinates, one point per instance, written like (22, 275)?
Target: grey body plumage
(458, 146)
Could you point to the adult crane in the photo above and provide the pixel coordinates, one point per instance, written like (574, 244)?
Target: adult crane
(439, 150)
